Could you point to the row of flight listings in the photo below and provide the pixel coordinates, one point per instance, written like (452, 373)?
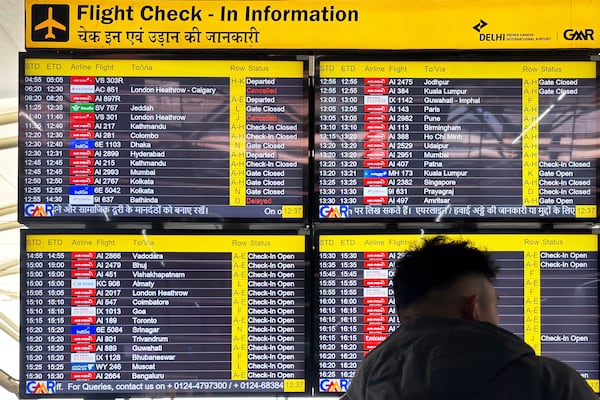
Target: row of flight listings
(110, 140)
(154, 314)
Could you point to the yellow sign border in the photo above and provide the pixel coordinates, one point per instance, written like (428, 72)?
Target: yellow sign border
(313, 25)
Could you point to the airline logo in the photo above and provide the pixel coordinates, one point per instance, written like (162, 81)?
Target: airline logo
(376, 117)
(375, 163)
(83, 330)
(83, 254)
(83, 338)
(375, 145)
(81, 153)
(376, 108)
(375, 173)
(79, 125)
(376, 277)
(376, 182)
(81, 162)
(375, 295)
(334, 385)
(376, 154)
(83, 301)
(83, 85)
(83, 376)
(83, 358)
(83, 348)
(82, 107)
(83, 311)
(81, 180)
(374, 135)
(82, 98)
(84, 321)
(372, 191)
(376, 90)
(83, 292)
(376, 100)
(376, 264)
(82, 134)
(333, 211)
(39, 210)
(372, 340)
(377, 318)
(40, 387)
(83, 273)
(375, 195)
(86, 119)
(81, 190)
(377, 81)
(376, 328)
(377, 126)
(83, 283)
(83, 367)
(81, 171)
(376, 309)
(83, 263)
(82, 200)
(81, 144)
(370, 255)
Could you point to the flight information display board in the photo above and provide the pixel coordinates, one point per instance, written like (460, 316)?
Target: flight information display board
(167, 139)
(119, 315)
(433, 140)
(548, 288)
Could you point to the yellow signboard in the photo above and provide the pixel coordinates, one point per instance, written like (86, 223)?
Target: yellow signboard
(312, 24)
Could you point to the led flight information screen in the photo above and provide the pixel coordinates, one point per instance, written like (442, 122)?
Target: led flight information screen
(432, 140)
(148, 315)
(547, 285)
(167, 139)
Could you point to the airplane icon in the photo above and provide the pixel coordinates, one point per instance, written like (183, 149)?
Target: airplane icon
(50, 23)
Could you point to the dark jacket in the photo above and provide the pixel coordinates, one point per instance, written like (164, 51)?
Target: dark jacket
(455, 359)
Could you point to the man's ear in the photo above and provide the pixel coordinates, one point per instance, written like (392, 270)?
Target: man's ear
(470, 308)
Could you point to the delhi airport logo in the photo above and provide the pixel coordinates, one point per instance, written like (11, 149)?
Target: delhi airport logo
(50, 23)
(480, 25)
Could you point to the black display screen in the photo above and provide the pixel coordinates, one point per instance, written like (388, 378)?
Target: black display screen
(109, 139)
(547, 285)
(459, 140)
(118, 315)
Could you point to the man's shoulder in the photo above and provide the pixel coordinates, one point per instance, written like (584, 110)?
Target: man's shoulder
(560, 379)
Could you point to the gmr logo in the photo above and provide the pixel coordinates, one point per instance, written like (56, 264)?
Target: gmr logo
(334, 385)
(39, 210)
(40, 387)
(572, 34)
(333, 211)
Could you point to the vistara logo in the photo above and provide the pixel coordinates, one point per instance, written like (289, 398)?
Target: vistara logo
(50, 23)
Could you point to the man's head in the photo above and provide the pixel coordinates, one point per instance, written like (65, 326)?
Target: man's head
(445, 278)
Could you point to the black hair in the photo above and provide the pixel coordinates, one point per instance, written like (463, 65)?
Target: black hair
(437, 263)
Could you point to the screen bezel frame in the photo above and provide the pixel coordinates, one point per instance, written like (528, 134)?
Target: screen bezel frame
(452, 56)
(24, 233)
(303, 140)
